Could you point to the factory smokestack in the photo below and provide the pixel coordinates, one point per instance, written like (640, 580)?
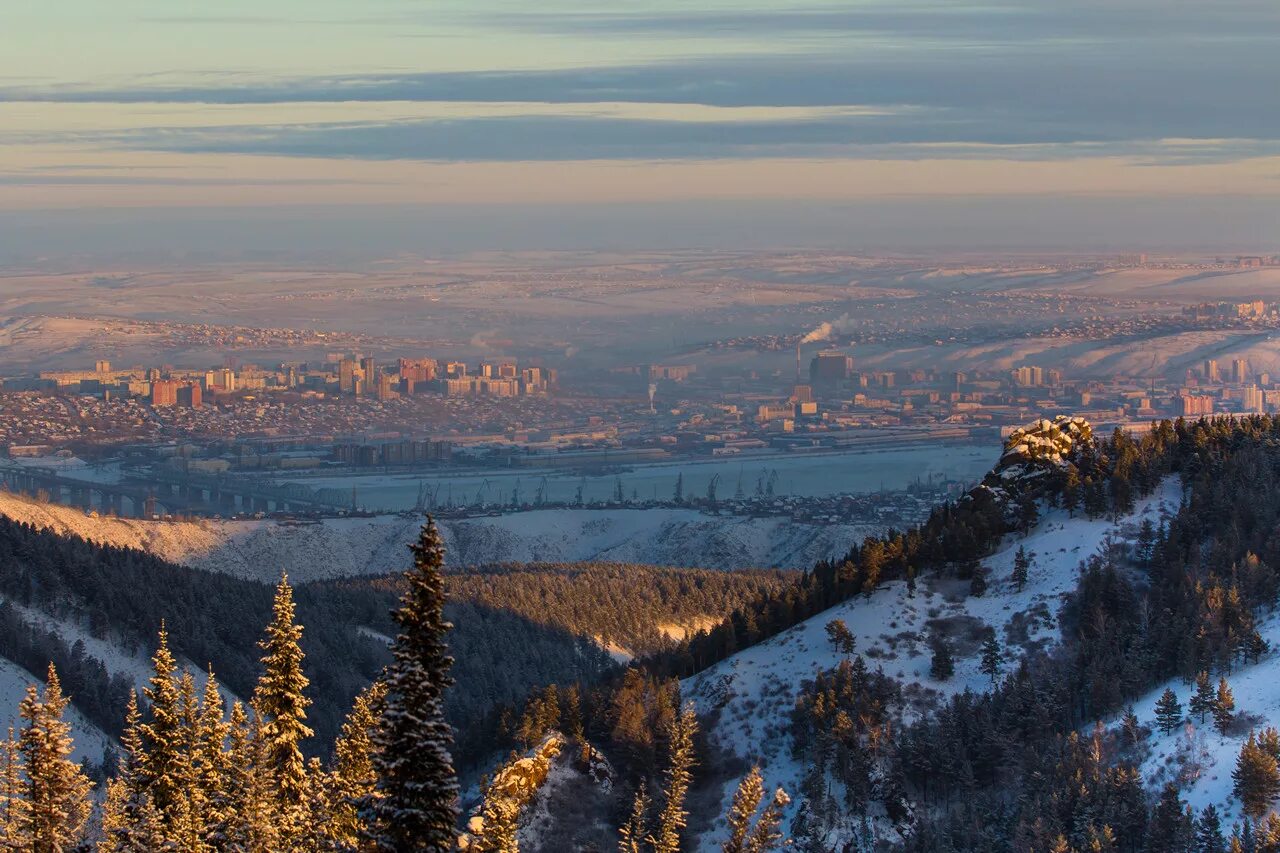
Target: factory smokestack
(797, 362)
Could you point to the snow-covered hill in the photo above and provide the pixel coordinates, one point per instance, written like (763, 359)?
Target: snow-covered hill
(1196, 755)
(369, 546)
(755, 690)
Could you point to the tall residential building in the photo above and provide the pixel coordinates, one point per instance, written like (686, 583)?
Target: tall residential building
(1251, 400)
(102, 366)
(347, 376)
(164, 392)
(1239, 371)
(1194, 406)
(189, 395)
(1211, 370)
(1028, 376)
(418, 369)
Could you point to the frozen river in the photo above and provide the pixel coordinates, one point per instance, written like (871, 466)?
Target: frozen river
(791, 474)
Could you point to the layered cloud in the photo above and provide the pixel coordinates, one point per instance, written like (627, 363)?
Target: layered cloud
(1145, 82)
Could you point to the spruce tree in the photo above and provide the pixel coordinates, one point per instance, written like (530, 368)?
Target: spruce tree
(1256, 778)
(130, 821)
(978, 582)
(672, 818)
(1201, 702)
(279, 703)
(1021, 566)
(353, 776)
(942, 666)
(190, 832)
(212, 761)
(1224, 707)
(163, 760)
(415, 802)
(261, 823)
(992, 657)
(1209, 831)
(56, 790)
(1168, 711)
(232, 808)
(1171, 827)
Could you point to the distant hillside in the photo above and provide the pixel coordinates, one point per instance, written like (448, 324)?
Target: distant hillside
(349, 547)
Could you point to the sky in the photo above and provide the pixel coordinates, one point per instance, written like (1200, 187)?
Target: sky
(1136, 113)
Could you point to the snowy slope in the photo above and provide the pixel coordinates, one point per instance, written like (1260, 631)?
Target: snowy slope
(91, 742)
(756, 689)
(1197, 756)
(341, 547)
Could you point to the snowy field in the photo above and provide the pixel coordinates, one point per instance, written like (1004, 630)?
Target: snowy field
(804, 474)
(756, 689)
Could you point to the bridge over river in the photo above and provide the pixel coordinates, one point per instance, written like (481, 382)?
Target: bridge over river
(166, 492)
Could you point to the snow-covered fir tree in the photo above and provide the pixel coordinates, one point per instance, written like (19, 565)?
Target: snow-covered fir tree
(353, 776)
(679, 773)
(415, 803)
(281, 707)
(56, 789)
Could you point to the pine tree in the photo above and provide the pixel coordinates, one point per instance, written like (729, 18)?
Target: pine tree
(1131, 727)
(1256, 778)
(631, 837)
(1201, 702)
(14, 808)
(992, 657)
(1209, 832)
(1021, 568)
(57, 791)
(978, 582)
(1224, 707)
(279, 703)
(415, 804)
(766, 835)
(1171, 827)
(671, 820)
(942, 666)
(353, 776)
(743, 810)
(1168, 711)
(841, 637)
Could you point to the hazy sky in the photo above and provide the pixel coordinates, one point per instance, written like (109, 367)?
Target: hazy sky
(334, 103)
